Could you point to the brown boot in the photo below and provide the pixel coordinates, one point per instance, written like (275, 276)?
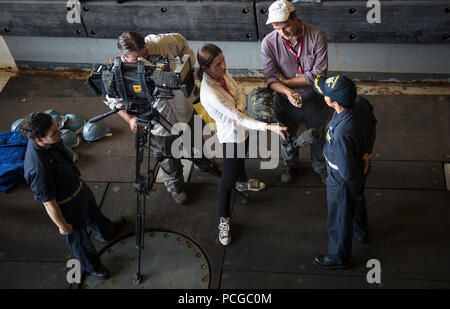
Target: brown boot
(180, 197)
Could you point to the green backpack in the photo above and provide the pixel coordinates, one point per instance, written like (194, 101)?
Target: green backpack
(260, 105)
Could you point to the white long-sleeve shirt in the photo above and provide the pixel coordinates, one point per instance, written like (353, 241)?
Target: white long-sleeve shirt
(178, 109)
(224, 108)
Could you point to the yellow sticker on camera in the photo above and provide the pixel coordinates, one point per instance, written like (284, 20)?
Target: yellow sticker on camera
(137, 88)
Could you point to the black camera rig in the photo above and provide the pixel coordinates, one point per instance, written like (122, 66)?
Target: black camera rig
(140, 84)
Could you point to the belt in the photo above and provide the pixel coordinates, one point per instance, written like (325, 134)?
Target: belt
(66, 200)
(333, 166)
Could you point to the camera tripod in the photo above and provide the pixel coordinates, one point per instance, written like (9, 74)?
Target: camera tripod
(143, 184)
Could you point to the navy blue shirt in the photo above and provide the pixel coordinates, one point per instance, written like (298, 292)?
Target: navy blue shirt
(349, 136)
(50, 172)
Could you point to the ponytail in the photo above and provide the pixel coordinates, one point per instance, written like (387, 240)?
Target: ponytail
(205, 55)
(200, 72)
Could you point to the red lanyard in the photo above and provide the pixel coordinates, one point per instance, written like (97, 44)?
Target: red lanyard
(297, 55)
(224, 86)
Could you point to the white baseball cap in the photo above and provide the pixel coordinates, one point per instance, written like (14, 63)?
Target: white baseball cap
(279, 11)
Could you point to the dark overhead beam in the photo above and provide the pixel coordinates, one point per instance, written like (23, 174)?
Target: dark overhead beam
(402, 21)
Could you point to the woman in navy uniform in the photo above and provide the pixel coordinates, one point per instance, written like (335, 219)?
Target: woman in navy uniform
(348, 146)
(55, 181)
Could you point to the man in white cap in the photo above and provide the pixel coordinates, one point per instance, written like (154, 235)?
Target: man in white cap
(294, 54)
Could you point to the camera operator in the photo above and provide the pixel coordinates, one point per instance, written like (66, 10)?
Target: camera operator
(132, 47)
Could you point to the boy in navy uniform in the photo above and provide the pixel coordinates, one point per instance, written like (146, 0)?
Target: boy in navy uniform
(348, 146)
(55, 182)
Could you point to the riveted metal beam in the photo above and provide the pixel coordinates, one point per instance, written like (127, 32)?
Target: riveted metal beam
(400, 21)
(199, 20)
(40, 18)
(347, 21)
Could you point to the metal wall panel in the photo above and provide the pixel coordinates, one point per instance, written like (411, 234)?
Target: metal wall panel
(37, 18)
(401, 21)
(200, 20)
(345, 21)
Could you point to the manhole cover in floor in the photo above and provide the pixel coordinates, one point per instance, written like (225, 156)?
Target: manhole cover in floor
(169, 261)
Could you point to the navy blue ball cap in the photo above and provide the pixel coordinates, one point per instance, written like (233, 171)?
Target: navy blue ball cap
(339, 88)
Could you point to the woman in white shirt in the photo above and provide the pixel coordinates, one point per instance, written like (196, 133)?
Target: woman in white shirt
(226, 103)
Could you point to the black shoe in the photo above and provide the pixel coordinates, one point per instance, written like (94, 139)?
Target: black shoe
(287, 175)
(362, 240)
(202, 166)
(208, 167)
(322, 262)
(101, 273)
(310, 136)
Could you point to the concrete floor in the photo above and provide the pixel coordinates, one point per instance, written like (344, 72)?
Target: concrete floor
(277, 234)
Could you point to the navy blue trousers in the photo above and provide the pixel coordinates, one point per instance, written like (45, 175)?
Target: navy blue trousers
(83, 213)
(347, 215)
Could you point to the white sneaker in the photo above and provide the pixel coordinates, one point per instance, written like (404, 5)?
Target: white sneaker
(224, 231)
(250, 185)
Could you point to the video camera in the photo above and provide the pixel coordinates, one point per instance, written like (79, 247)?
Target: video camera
(140, 84)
